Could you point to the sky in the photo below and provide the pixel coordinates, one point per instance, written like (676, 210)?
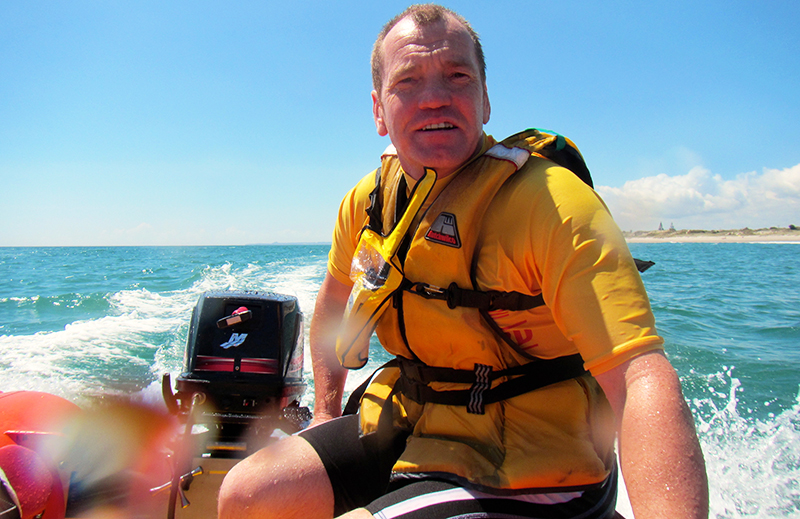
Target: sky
(232, 123)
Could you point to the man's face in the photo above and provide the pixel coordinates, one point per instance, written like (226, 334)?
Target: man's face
(433, 103)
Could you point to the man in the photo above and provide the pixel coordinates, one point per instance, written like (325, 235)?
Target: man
(533, 437)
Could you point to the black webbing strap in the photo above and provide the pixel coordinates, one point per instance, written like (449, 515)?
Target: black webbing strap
(354, 400)
(527, 377)
(375, 209)
(421, 373)
(489, 300)
(415, 377)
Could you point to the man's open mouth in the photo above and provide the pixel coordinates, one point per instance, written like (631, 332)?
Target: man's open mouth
(438, 126)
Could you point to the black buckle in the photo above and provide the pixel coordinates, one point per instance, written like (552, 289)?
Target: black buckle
(411, 370)
(428, 291)
(411, 389)
(453, 296)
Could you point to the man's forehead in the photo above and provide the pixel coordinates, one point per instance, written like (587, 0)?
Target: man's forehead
(407, 38)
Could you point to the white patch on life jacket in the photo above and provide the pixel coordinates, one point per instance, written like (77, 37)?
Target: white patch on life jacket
(516, 155)
(389, 151)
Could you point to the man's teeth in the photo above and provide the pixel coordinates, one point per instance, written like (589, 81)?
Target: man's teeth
(439, 126)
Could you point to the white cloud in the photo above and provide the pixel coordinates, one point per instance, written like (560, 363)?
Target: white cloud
(700, 200)
(141, 229)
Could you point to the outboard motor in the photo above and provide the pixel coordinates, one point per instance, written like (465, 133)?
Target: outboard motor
(244, 363)
(240, 388)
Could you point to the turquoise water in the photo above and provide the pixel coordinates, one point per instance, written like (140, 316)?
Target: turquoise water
(82, 321)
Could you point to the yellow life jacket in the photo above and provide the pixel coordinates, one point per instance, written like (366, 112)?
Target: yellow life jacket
(515, 441)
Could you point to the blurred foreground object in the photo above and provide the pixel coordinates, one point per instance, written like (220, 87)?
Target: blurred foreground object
(240, 389)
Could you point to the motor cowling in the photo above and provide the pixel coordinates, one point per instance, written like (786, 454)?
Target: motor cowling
(244, 360)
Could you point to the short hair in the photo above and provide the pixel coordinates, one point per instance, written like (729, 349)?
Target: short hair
(422, 15)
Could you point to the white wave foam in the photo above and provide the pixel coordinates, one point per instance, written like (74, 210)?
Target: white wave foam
(63, 362)
(753, 464)
(139, 321)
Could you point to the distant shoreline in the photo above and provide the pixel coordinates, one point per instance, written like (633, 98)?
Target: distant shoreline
(772, 234)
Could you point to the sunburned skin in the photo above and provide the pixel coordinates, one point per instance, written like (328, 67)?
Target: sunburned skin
(433, 101)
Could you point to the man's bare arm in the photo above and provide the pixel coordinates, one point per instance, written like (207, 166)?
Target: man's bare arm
(329, 375)
(659, 451)
(266, 485)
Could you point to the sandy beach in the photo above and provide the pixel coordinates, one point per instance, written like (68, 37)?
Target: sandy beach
(772, 234)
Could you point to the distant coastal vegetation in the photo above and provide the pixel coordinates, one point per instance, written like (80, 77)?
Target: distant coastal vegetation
(771, 234)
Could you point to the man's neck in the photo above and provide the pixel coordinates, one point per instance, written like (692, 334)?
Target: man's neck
(483, 146)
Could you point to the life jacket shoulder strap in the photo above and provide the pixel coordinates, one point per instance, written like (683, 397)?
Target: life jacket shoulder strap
(374, 216)
(375, 209)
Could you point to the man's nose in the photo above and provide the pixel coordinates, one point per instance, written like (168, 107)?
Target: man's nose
(435, 94)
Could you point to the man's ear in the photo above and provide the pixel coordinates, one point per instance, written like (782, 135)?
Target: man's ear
(377, 114)
(487, 107)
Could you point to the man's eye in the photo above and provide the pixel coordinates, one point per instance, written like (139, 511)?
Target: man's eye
(405, 83)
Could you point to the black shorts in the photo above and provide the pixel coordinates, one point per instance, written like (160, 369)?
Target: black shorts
(359, 468)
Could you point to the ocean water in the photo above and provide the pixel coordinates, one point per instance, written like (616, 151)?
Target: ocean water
(79, 322)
